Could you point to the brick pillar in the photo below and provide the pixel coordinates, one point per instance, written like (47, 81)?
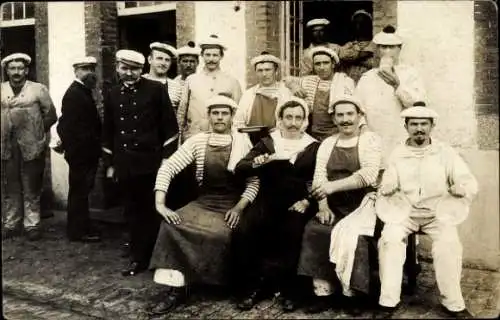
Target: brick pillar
(262, 31)
(384, 12)
(185, 18)
(486, 73)
(101, 41)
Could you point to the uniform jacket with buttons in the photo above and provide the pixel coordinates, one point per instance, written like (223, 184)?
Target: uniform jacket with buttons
(26, 118)
(79, 126)
(139, 128)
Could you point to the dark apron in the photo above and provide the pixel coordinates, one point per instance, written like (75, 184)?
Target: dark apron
(199, 246)
(314, 259)
(321, 122)
(263, 114)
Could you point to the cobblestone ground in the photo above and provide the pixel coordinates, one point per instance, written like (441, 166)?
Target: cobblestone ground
(83, 281)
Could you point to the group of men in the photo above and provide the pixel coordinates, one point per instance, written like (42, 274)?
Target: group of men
(286, 177)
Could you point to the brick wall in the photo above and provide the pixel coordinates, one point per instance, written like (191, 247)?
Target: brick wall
(384, 12)
(262, 31)
(486, 73)
(185, 17)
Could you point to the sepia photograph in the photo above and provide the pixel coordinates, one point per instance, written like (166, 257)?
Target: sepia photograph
(315, 159)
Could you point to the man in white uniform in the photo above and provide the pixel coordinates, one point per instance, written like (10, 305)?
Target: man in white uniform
(428, 187)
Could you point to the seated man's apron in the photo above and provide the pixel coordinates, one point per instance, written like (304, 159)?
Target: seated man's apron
(199, 246)
(263, 114)
(314, 259)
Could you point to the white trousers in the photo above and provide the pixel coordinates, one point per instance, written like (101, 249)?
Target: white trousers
(446, 253)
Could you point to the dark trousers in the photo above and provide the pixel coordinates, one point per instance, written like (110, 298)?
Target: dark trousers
(142, 219)
(267, 247)
(81, 182)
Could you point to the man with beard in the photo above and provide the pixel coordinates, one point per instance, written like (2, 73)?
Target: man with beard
(357, 56)
(434, 199)
(188, 59)
(139, 130)
(27, 115)
(321, 90)
(258, 103)
(160, 59)
(267, 244)
(79, 128)
(387, 89)
(201, 86)
(193, 242)
(317, 28)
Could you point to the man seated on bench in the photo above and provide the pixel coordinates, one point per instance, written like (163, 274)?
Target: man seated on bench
(193, 242)
(268, 240)
(347, 168)
(426, 187)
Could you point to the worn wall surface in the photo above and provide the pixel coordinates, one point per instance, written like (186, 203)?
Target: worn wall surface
(64, 18)
(220, 18)
(442, 49)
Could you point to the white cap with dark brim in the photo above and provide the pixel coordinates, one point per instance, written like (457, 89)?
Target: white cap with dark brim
(221, 100)
(329, 52)
(419, 112)
(346, 99)
(163, 47)
(16, 56)
(388, 37)
(130, 57)
(84, 61)
(300, 101)
(317, 22)
(265, 57)
(189, 50)
(212, 41)
(361, 12)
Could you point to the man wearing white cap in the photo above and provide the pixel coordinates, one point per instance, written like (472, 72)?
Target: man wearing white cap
(317, 29)
(26, 116)
(79, 129)
(427, 186)
(357, 56)
(271, 231)
(389, 88)
(160, 59)
(347, 167)
(258, 103)
(210, 81)
(193, 242)
(139, 130)
(321, 90)
(189, 57)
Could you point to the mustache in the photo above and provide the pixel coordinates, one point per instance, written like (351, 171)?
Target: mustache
(347, 123)
(419, 133)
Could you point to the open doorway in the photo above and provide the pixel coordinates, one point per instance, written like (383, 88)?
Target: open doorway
(338, 13)
(136, 32)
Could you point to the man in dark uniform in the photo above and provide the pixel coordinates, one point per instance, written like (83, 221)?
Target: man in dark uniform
(79, 128)
(139, 130)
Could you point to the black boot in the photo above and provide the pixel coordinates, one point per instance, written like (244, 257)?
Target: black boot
(176, 297)
(319, 304)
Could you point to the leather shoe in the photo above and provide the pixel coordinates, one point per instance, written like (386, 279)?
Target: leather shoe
(385, 312)
(288, 305)
(88, 238)
(249, 301)
(175, 298)
(133, 269)
(33, 234)
(319, 304)
(462, 314)
(10, 233)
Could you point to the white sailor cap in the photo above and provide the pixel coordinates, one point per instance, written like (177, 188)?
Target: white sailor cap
(163, 47)
(298, 100)
(419, 112)
(361, 12)
(221, 100)
(265, 57)
(388, 37)
(317, 22)
(16, 56)
(189, 50)
(346, 99)
(321, 49)
(212, 41)
(84, 61)
(130, 57)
